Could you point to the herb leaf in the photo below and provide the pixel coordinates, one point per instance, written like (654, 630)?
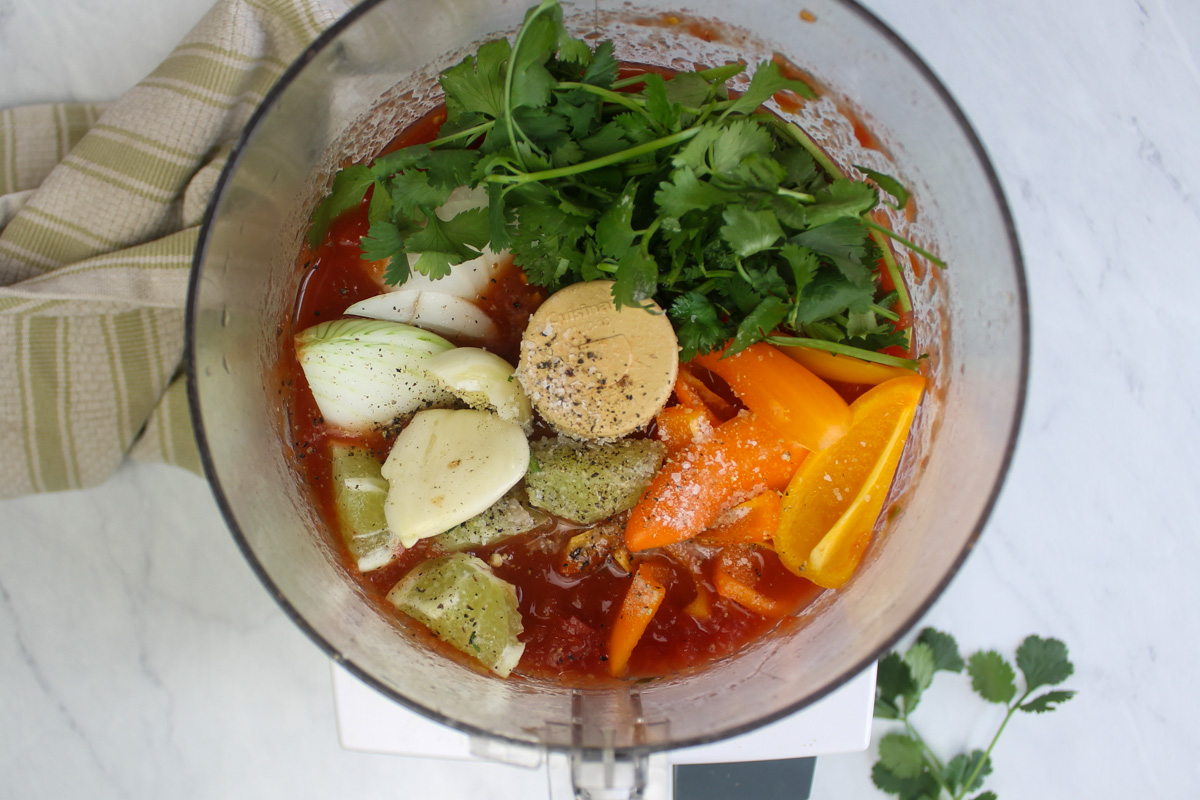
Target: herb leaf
(1043, 662)
(992, 677)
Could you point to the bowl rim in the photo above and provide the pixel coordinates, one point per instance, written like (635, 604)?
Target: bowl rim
(271, 97)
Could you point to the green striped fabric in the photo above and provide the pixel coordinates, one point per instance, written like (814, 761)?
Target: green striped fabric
(100, 206)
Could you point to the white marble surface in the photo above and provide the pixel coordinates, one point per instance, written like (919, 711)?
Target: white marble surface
(139, 657)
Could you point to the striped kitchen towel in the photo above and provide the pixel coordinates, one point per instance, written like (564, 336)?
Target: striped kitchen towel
(100, 208)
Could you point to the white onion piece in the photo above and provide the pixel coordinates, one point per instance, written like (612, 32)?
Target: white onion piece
(444, 314)
(448, 466)
(483, 379)
(365, 372)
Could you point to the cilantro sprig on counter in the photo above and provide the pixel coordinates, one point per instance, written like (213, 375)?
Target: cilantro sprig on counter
(907, 766)
(731, 219)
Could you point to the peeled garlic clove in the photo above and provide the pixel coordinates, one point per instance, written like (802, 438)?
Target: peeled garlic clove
(448, 466)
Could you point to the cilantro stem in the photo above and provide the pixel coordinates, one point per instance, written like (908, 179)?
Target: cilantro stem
(597, 163)
(970, 779)
(804, 140)
(509, 120)
(885, 313)
(803, 197)
(939, 770)
(843, 349)
(465, 133)
(620, 98)
(891, 234)
(893, 269)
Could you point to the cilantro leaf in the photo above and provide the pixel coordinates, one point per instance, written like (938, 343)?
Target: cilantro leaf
(922, 786)
(698, 324)
(603, 69)
(636, 278)
(349, 188)
(944, 648)
(477, 82)
(442, 244)
(759, 323)
(383, 239)
(1047, 701)
(413, 196)
(919, 659)
(992, 677)
(766, 81)
(685, 192)
(888, 184)
(902, 755)
(962, 767)
(749, 232)
(893, 681)
(842, 242)
(1043, 662)
(843, 198)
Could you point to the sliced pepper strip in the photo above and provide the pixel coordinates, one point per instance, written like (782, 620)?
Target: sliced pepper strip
(642, 600)
(743, 457)
(784, 393)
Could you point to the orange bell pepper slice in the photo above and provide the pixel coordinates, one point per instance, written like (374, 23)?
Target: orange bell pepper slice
(642, 600)
(783, 393)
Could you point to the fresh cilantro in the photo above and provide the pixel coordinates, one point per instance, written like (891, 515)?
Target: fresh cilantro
(907, 767)
(888, 184)
(729, 218)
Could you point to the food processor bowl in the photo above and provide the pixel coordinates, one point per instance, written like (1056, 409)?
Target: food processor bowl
(373, 73)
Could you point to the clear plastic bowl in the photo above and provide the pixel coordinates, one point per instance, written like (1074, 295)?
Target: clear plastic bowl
(373, 72)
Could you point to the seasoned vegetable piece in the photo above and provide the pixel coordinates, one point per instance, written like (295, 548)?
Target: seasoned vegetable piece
(508, 516)
(448, 466)
(592, 549)
(743, 456)
(364, 373)
(358, 492)
(482, 379)
(645, 595)
(783, 393)
(463, 603)
(586, 482)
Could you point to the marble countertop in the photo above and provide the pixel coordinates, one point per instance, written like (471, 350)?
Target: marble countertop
(140, 657)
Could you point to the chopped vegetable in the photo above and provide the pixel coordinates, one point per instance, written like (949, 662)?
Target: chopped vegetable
(736, 578)
(365, 373)
(754, 521)
(447, 466)
(464, 603)
(830, 508)
(784, 394)
(679, 426)
(359, 491)
(586, 482)
(441, 313)
(842, 368)
(692, 392)
(743, 457)
(507, 517)
(592, 549)
(645, 595)
(484, 380)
